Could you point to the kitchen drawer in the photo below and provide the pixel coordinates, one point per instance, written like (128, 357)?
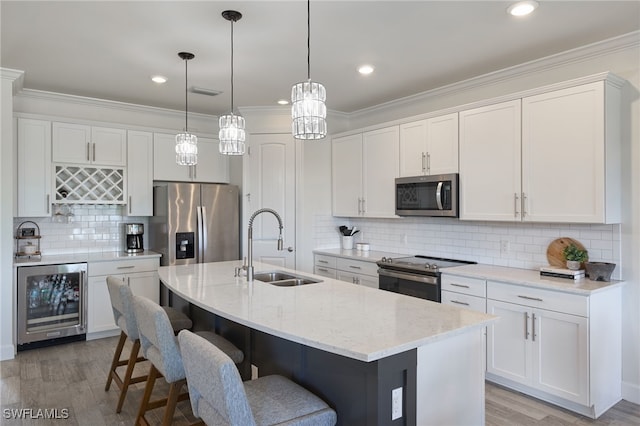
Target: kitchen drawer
(324, 271)
(357, 266)
(465, 285)
(464, 301)
(122, 266)
(538, 298)
(325, 261)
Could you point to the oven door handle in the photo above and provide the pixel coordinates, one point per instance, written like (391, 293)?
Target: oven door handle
(425, 279)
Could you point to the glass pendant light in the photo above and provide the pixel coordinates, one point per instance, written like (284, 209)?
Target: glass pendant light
(308, 110)
(232, 134)
(186, 143)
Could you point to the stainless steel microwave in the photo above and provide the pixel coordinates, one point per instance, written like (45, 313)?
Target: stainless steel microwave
(435, 195)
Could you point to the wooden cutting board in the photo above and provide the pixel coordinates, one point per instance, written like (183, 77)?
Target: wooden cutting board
(555, 249)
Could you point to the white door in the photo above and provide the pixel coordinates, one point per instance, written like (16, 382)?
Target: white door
(269, 182)
(380, 168)
(413, 148)
(561, 360)
(490, 157)
(346, 172)
(442, 144)
(509, 342)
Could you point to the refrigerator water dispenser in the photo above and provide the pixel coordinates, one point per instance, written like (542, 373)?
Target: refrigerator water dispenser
(185, 248)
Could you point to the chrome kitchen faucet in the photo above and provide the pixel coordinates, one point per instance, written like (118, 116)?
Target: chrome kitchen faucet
(250, 238)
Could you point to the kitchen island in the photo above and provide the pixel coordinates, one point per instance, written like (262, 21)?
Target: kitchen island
(374, 356)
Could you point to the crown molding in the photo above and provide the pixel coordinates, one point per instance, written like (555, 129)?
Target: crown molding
(580, 54)
(16, 76)
(105, 103)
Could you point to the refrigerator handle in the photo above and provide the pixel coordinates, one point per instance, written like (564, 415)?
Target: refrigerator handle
(202, 233)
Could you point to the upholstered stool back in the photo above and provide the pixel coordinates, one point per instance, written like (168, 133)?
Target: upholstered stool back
(159, 344)
(218, 395)
(122, 306)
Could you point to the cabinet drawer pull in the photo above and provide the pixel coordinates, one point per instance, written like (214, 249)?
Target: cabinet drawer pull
(323, 261)
(323, 270)
(459, 285)
(88, 149)
(126, 267)
(424, 168)
(129, 204)
(459, 303)
(516, 213)
(537, 299)
(94, 152)
(354, 267)
(526, 326)
(48, 204)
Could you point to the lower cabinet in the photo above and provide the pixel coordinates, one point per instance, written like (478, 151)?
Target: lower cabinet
(141, 275)
(358, 272)
(562, 348)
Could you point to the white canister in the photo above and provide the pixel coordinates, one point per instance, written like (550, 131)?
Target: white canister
(347, 242)
(362, 246)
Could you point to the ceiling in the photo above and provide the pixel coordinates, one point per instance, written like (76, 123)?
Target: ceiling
(109, 50)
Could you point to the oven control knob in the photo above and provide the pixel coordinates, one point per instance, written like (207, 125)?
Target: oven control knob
(384, 259)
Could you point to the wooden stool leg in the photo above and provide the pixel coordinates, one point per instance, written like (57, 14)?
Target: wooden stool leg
(172, 401)
(116, 359)
(133, 358)
(151, 380)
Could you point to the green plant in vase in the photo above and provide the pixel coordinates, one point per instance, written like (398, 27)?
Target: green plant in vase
(574, 256)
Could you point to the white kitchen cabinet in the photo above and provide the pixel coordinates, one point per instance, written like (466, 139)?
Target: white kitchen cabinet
(560, 347)
(141, 275)
(571, 155)
(34, 168)
(212, 166)
(139, 173)
(549, 157)
(80, 144)
(354, 271)
(464, 292)
(490, 153)
(357, 272)
(430, 146)
(364, 168)
(325, 266)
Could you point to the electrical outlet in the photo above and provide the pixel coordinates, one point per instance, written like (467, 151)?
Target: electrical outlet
(504, 247)
(396, 403)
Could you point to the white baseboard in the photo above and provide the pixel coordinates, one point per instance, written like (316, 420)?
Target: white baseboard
(631, 392)
(7, 352)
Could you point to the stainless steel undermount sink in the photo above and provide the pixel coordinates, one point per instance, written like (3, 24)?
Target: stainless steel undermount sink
(283, 279)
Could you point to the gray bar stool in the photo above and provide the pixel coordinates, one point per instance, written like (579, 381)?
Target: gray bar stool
(122, 305)
(160, 346)
(219, 397)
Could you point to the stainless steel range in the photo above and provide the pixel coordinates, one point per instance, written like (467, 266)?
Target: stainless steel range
(417, 276)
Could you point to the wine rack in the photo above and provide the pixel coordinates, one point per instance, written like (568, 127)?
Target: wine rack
(89, 185)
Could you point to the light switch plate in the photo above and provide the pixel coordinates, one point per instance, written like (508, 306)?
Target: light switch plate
(396, 403)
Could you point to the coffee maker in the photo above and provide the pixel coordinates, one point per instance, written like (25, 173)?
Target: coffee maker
(134, 232)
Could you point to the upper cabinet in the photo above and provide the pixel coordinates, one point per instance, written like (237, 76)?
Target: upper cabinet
(550, 157)
(365, 166)
(80, 144)
(34, 168)
(490, 184)
(571, 155)
(140, 173)
(212, 166)
(429, 147)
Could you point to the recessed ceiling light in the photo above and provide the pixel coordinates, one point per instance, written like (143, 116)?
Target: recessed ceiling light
(158, 79)
(522, 8)
(283, 102)
(365, 69)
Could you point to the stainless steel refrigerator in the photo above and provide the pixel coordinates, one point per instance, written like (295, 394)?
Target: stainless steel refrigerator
(195, 223)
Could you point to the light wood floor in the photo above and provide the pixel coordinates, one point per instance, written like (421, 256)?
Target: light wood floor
(73, 376)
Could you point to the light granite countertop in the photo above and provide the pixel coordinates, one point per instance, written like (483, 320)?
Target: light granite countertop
(338, 317)
(531, 278)
(106, 256)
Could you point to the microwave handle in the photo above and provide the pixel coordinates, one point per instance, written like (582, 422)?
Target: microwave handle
(439, 195)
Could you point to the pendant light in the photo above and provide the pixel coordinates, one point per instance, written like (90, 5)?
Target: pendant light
(232, 134)
(308, 110)
(186, 143)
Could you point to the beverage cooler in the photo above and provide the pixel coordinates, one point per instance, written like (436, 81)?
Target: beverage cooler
(52, 304)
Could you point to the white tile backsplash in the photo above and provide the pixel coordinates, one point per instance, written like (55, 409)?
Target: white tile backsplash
(91, 229)
(520, 245)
